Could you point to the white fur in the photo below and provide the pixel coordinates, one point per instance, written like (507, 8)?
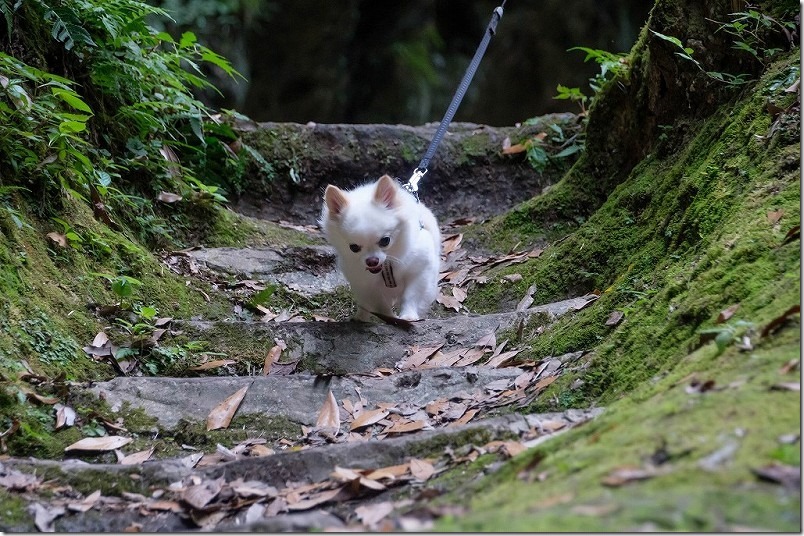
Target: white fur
(363, 216)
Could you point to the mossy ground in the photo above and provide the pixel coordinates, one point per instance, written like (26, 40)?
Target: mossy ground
(687, 235)
(53, 303)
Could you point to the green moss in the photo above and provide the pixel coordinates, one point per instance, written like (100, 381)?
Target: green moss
(14, 515)
(685, 236)
(241, 428)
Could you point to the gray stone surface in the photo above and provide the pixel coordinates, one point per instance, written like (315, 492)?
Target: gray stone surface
(295, 397)
(350, 347)
(308, 270)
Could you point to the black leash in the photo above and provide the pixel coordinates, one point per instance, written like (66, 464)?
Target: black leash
(413, 183)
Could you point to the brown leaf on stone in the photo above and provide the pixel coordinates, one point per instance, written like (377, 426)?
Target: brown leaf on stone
(465, 418)
(271, 358)
(502, 359)
(779, 473)
(486, 341)
(367, 418)
(392, 472)
(590, 298)
(419, 356)
(614, 318)
(405, 427)
(421, 469)
(209, 365)
(315, 500)
(198, 496)
(45, 516)
(459, 294)
(100, 340)
(774, 216)
(727, 313)
(450, 243)
(527, 300)
(626, 475)
(99, 444)
(14, 480)
(222, 414)
(449, 302)
(329, 417)
(86, 504)
(137, 458)
(58, 239)
(371, 514)
(544, 382)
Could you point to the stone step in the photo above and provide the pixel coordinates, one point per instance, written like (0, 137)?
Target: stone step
(358, 347)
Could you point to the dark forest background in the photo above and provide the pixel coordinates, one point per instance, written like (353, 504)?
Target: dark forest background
(369, 61)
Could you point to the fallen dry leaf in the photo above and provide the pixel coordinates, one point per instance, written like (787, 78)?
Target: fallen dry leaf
(614, 318)
(626, 475)
(789, 367)
(58, 239)
(200, 495)
(86, 504)
(527, 300)
(371, 514)
(793, 233)
(779, 321)
(787, 386)
(65, 416)
(45, 516)
(329, 417)
(271, 358)
(450, 243)
(209, 365)
(727, 313)
(787, 475)
(100, 340)
(315, 500)
(368, 418)
(421, 469)
(774, 216)
(222, 414)
(137, 458)
(99, 443)
(168, 197)
(405, 427)
(450, 302)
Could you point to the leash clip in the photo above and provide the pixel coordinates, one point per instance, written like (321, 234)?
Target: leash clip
(413, 183)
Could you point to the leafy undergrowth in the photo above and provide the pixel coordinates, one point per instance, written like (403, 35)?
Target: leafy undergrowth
(693, 344)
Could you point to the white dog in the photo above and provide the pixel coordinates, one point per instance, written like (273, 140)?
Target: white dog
(388, 245)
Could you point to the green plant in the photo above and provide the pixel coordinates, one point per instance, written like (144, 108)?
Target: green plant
(730, 333)
(751, 30)
(686, 54)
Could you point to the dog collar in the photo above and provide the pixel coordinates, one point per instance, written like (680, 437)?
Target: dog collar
(388, 274)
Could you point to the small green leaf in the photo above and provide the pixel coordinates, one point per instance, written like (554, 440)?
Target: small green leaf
(72, 98)
(187, 39)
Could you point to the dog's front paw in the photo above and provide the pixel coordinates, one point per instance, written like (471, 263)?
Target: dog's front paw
(410, 317)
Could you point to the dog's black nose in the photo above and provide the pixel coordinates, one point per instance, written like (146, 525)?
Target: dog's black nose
(372, 262)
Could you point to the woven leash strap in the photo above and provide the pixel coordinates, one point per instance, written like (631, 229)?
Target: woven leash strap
(413, 183)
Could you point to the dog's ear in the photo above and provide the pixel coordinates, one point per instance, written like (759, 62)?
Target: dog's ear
(385, 192)
(335, 199)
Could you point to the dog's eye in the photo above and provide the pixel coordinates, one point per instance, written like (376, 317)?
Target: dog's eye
(354, 247)
(384, 241)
